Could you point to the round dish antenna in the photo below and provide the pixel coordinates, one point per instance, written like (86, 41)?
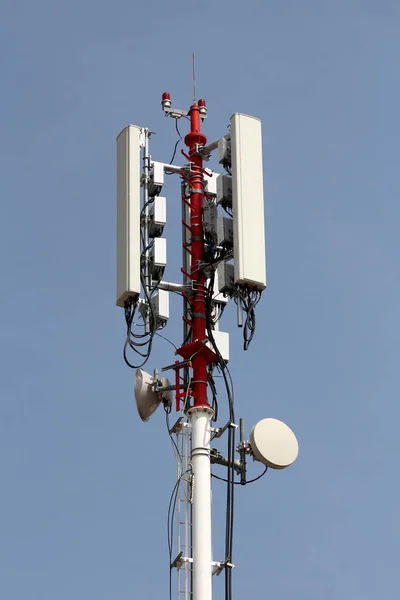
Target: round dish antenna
(274, 444)
(149, 393)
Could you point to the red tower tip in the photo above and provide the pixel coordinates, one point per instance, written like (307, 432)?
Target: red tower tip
(166, 100)
(203, 107)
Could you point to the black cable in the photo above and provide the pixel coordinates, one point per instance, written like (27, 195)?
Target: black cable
(175, 148)
(167, 340)
(214, 393)
(238, 482)
(146, 204)
(170, 530)
(227, 210)
(231, 445)
(229, 513)
(227, 167)
(148, 337)
(167, 413)
(221, 312)
(249, 300)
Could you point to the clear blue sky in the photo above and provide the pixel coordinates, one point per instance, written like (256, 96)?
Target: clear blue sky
(84, 483)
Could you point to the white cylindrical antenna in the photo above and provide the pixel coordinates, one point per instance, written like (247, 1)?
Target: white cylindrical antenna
(194, 76)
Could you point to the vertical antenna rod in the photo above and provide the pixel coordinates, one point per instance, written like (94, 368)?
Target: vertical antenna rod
(194, 77)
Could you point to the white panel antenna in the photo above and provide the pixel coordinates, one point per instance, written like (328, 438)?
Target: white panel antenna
(248, 201)
(128, 214)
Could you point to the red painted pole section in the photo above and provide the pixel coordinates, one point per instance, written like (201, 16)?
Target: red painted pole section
(199, 360)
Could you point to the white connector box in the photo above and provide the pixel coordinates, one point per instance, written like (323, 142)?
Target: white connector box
(158, 216)
(221, 339)
(225, 231)
(211, 183)
(158, 258)
(160, 305)
(224, 190)
(156, 181)
(226, 278)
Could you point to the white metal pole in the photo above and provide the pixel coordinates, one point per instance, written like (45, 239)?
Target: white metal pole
(200, 419)
(188, 549)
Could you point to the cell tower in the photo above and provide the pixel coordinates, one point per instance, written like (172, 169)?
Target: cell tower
(223, 244)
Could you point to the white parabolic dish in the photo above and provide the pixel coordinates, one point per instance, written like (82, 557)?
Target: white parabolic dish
(274, 444)
(147, 400)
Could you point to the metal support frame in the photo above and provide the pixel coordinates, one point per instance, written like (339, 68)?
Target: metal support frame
(193, 430)
(183, 561)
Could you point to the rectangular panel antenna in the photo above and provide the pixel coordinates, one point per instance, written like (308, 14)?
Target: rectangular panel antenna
(248, 202)
(128, 214)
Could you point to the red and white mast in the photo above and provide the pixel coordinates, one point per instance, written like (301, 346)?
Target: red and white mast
(140, 268)
(200, 413)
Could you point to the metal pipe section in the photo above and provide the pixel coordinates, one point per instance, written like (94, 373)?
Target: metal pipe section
(200, 419)
(220, 460)
(213, 145)
(239, 312)
(241, 427)
(146, 171)
(243, 472)
(173, 168)
(168, 286)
